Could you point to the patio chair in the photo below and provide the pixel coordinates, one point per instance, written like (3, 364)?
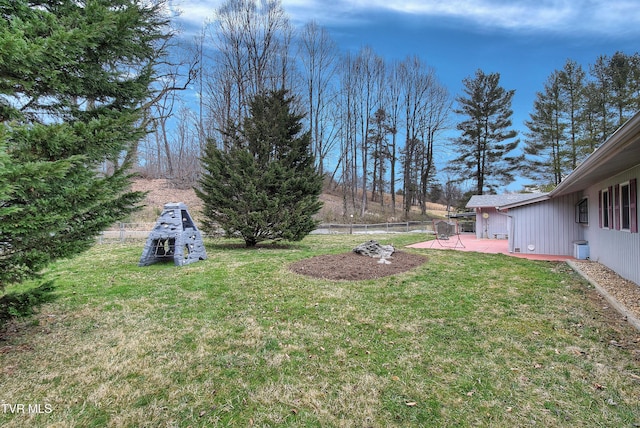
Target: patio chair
(447, 234)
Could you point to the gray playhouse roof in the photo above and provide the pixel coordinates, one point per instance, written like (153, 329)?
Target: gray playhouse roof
(495, 201)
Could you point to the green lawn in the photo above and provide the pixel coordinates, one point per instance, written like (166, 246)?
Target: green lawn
(237, 340)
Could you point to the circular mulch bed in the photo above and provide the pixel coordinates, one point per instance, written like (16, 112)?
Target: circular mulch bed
(353, 267)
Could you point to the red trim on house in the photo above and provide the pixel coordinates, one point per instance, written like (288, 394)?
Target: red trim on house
(616, 204)
(610, 207)
(600, 209)
(633, 206)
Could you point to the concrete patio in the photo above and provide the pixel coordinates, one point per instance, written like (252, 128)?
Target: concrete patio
(469, 242)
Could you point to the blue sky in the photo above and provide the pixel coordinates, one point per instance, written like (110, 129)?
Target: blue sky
(523, 40)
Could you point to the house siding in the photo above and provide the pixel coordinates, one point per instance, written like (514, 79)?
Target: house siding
(546, 227)
(619, 250)
(493, 227)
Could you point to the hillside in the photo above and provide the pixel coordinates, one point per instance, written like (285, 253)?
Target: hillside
(161, 191)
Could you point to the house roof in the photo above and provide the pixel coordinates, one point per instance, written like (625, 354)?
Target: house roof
(496, 201)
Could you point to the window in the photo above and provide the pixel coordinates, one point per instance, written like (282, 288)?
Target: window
(617, 207)
(625, 206)
(582, 212)
(605, 205)
(628, 206)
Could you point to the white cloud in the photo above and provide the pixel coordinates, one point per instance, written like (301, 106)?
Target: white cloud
(606, 17)
(522, 14)
(195, 12)
(590, 16)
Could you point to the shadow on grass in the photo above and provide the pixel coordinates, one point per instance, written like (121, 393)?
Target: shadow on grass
(22, 304)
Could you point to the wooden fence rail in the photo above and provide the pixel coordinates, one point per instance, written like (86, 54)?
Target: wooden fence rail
(127, 232)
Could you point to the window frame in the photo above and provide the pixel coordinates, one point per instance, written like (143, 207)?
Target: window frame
(611, 207)
(582, 211)
(625, 210)
(606, 208)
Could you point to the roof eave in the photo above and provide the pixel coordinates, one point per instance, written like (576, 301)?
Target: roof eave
(540, 198)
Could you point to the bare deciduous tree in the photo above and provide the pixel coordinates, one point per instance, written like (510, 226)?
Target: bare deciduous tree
(252, 41)
(369, 78)
(416, 81)
(319, 56)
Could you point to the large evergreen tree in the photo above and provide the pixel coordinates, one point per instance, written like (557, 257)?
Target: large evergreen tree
(74, 77)
(485, 133)
(625, 86)
(571, 82)
(576, 112)
(263, 185)
(545, 143)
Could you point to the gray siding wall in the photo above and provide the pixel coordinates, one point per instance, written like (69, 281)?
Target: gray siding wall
(619, 250)
(496, 224)
(548, 227)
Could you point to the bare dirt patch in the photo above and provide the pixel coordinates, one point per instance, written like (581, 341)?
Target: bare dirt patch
(160, 192)
(354, 267)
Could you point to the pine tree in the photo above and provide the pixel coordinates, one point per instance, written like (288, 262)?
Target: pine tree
(483, 144)
(545, 142)
(575, 113)
(599, 94)
(265, 185)
(624, 86)
(571, 81)
(74, 77)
